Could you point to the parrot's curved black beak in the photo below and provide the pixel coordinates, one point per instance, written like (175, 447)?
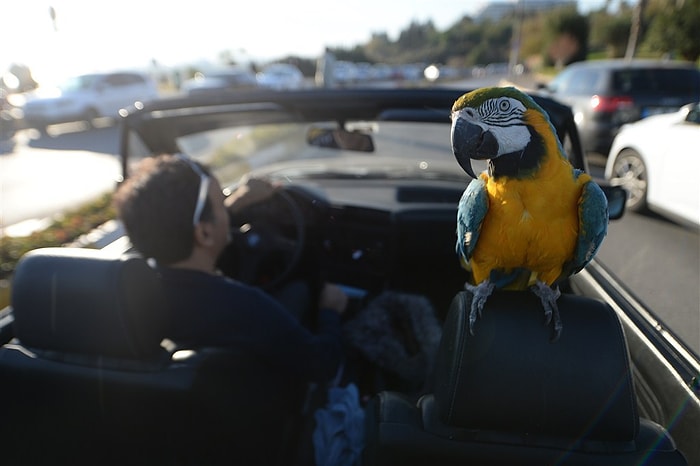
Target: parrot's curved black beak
(470, 141)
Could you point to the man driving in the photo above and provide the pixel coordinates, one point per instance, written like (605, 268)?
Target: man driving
(174, 212)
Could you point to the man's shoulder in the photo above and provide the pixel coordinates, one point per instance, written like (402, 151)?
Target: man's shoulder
(212, 285)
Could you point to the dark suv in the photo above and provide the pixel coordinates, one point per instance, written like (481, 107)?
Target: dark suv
(605, 94)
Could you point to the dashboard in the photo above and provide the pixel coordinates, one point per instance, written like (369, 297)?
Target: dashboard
(375, 235)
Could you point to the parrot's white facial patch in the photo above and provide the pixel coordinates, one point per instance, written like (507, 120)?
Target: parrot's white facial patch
(503, 117)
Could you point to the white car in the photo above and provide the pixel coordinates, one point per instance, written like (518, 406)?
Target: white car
(280, 76)
(87, 97)
(657, 160)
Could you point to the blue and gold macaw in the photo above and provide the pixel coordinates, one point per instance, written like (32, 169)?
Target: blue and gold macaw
(531, 219)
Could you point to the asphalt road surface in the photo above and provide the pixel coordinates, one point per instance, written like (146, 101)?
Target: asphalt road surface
(657, 259)
(660, 262)
(40, 176)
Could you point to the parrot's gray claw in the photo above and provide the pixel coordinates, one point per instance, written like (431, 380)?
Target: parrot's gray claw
(549, 297)
(480, 293)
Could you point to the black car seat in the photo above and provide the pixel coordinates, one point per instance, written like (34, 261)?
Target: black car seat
(89, 378)
(507, 395)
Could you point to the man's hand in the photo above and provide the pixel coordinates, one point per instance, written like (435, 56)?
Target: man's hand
(333, 297)
(249, 192)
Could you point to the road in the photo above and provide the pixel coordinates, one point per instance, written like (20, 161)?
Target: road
(656, 258)
(40, 176)
(660, 261)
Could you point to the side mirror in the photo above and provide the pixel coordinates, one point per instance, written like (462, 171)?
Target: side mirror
(617, 198)
(693, 114)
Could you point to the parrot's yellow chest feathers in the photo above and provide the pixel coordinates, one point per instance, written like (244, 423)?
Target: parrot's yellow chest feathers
(531, 224)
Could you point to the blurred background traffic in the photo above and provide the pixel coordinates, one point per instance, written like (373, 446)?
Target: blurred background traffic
(68, 67)
(57, 52)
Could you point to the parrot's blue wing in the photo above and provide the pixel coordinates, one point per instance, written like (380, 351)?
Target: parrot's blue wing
(593, 224)
(470, 214)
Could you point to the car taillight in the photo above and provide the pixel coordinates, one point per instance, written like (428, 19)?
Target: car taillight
(611, 104)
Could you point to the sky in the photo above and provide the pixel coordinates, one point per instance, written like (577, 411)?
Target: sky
(93, 35)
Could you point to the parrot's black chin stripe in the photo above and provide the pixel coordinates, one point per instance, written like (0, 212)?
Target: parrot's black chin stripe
(512, 165)
(519, 164)
(508, 165)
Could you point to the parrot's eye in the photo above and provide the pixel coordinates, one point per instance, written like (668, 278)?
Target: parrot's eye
(504, 105)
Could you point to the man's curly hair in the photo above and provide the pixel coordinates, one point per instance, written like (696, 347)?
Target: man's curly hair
(156, 204)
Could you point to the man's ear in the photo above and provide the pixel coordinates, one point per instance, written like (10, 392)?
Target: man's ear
(203, 234)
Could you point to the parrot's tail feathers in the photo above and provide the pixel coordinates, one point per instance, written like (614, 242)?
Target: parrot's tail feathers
(480, 293)
(549, 296)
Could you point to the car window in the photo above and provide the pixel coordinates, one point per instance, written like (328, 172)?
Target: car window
(560, 83)
(134, 79)
(585, 82)
(78, 83)
(232, 152)
(578, 81)
(122, 79)
(651, 81)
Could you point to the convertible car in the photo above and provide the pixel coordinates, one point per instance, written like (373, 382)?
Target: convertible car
(368, 198)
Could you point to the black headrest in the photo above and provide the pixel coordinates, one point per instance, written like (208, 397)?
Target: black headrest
(83, 301)
(509, 377)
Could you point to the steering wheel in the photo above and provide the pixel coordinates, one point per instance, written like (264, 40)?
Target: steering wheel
(267, 242)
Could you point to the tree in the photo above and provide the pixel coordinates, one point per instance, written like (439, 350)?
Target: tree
(609, 32)
(25, 80)
(462, 38)
(635, 29)
(674, 30)
(568, 36)
(617, 35)
(419, 43)
(379, 48)
(532, 39)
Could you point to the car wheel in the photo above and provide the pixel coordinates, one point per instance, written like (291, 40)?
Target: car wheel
(630, 172)
(90, 115)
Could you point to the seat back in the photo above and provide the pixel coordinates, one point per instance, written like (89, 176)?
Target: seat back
(507, 395)
(87, 381)
(84, 302)
(510, 374)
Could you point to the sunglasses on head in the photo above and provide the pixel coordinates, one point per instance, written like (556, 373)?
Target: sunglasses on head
(203, 188)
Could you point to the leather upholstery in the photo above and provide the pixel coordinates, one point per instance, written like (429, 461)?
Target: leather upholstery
(82, 301)
(86, 381)
(510, 374)
(507, 395)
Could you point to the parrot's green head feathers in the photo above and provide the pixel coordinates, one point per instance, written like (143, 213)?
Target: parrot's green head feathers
(478, 97)
(503, 125)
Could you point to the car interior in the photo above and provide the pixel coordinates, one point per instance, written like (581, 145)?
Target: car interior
(95, 380)
(94, 383)
(90, 365)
